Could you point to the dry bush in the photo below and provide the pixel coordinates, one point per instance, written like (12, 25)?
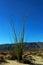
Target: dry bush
(2, 59)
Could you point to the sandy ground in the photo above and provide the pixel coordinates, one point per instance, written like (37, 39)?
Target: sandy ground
(11, 62)
(38, 60)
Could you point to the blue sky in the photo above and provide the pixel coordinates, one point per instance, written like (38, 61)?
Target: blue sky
(16, 9)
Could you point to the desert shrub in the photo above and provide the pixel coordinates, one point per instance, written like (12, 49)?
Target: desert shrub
(18, 50)
(13, 55)
(4, 53)
(2, 59)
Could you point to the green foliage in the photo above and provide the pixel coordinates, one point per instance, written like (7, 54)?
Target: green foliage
(18, 50)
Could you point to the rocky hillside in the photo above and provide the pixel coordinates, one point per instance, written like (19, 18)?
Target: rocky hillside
(26, 46)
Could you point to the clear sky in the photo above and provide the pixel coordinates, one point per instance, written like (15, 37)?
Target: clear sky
(16, 9)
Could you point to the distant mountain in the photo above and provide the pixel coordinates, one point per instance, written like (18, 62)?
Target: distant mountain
(26, 46)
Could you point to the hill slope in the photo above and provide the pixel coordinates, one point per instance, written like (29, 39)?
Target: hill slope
(26, 46)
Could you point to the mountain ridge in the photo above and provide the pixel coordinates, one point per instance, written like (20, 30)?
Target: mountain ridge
(26, 46)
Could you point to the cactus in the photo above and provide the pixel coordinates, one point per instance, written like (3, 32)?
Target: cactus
(18, 50)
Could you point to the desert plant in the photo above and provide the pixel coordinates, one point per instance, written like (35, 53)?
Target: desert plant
(18, 50)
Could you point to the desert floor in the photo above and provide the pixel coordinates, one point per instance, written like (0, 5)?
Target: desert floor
(11, 62)
(38, 60)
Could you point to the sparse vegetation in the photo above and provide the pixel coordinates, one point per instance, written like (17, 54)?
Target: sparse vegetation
(19, 45)
(27, 56)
